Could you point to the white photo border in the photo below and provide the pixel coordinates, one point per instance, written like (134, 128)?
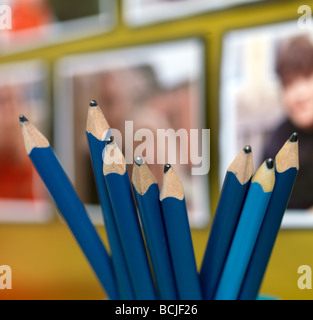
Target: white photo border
(292, 219)
(72, 65)
(136, 15)
(61, 32)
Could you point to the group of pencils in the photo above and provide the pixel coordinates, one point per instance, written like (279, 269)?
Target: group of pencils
(151, 254)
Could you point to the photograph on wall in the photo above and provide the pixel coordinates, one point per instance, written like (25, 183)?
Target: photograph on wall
(144, 12)
(23, 90)
(149, 91)
(266, 95)
(34, 23)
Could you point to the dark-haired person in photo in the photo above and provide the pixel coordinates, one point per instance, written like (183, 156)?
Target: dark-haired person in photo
(294, 67)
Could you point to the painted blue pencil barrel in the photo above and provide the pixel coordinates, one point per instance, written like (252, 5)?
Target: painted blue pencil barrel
(131, 238)
(153, 226)
(181, 248)
(73, 212)
(96, 147)
(261, 254)
(243, 242)
(230, 204)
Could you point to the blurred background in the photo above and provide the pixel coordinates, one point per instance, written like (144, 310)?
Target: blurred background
(243, 69)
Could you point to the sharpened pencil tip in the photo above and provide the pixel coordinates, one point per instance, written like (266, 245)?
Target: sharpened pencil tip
(23, 118)
(247, 149)
(93, 103)
(139, 161)
(269, 163)
(167, 167)
(109, 139)
(294, 137)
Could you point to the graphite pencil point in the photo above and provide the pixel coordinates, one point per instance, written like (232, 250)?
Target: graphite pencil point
(110, 139)
(247, 149)
(270, 163)
(93, 103)
(139, 161)
(23, 118)
(167, 167)
(294, 137)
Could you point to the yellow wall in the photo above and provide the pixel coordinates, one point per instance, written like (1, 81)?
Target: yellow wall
(46, 262)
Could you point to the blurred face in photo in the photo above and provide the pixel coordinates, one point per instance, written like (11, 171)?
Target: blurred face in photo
(295, 69)
(298, 101)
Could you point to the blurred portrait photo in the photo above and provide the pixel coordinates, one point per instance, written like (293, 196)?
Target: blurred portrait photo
(155, 87)
(267, 94)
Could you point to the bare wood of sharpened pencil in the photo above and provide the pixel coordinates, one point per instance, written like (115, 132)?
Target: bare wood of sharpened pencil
(33, 138)
(142, 178)
(171, 186)
(97, 124)
(114, 160)
(287, 157)
(265, 176)
(242, 166)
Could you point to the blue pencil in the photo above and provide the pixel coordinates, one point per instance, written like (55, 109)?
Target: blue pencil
(246, 233)
(97, 130)
(146, 192)
(69, 205)
(232, 197)
(179, 236)
(286, 170)
(125, 212)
